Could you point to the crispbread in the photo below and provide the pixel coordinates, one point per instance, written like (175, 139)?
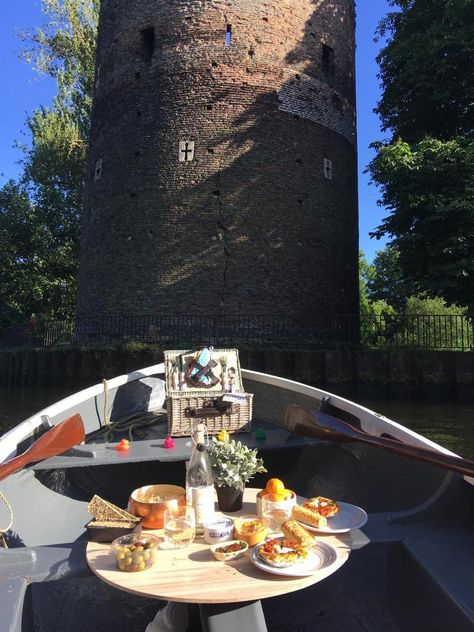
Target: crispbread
(109, 523)
(104, 511)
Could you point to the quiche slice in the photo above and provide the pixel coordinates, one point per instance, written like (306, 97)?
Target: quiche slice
(281, 552)
(323, 506)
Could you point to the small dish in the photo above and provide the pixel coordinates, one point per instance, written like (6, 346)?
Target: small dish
(250, 529)
(135, 552)
(231, 550)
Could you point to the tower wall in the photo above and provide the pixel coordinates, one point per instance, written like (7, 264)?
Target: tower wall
(258, 221)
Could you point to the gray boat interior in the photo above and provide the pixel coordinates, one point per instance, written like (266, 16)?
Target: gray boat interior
(410, 568)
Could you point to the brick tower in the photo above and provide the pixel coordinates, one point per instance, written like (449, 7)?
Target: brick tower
(222, 172)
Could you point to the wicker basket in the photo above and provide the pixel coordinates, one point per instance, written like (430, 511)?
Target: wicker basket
(186, 406)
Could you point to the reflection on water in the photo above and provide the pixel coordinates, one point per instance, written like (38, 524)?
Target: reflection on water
(448, 423)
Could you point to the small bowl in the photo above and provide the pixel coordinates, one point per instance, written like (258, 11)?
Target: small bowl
(150, 502)
(222, 555)
(250, 529)
(291, 501)
(135, 552)
(218, 530)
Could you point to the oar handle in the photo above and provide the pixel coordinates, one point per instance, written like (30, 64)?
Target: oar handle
(304, 421)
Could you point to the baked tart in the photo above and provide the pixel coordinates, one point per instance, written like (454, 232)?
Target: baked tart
(280, 552)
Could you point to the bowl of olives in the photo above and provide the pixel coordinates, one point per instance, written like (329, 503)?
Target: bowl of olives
(135, 552)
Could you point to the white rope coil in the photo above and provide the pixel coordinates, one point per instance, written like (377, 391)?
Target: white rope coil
(10, 521)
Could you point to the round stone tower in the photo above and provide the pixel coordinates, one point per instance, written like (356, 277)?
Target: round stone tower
(222, 172)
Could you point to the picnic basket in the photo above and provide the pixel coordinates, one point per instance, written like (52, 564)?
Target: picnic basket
(222, 404)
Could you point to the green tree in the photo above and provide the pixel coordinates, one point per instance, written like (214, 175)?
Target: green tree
(372, 312)
(431, 323)
(386, 282)
(426, 169)
(40, 214)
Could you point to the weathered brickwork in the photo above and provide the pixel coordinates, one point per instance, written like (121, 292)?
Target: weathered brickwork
(265, 90)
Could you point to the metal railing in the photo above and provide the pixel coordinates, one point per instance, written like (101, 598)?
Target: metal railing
(402, 331)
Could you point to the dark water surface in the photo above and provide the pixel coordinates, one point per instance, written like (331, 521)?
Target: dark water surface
(449, 423)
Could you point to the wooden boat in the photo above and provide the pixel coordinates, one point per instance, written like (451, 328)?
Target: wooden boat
(411, 563)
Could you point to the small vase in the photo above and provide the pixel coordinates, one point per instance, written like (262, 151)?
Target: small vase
(229, 499)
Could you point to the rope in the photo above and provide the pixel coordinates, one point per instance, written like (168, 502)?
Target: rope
(106, 398)
(3, 542)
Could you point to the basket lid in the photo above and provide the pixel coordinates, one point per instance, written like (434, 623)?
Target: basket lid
(206, 368)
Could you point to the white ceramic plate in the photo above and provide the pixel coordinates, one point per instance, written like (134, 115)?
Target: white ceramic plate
(348, 517)
(320, 556)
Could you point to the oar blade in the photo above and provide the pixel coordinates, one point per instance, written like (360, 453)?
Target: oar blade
(58, 439)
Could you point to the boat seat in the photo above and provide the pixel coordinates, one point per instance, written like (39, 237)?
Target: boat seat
(432, 575)
(17, 614)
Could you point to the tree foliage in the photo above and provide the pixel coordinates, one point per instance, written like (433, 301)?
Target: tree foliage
(426, 69)
(426, 170)
(40, 214)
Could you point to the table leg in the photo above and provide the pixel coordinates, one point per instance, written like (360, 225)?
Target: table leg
(233, 617)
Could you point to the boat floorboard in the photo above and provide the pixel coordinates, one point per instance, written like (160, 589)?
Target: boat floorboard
(351, 600)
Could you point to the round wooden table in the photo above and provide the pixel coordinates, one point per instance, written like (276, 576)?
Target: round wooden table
(192, 575)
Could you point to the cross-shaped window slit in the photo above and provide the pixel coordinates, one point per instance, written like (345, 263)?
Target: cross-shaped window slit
(186, 151)
(328, 169)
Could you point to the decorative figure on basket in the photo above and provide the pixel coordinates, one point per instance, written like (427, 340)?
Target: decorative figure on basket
(199, 372)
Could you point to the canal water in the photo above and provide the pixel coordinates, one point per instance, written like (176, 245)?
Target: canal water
(449, 423)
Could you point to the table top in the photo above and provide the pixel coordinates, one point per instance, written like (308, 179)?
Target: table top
(193, 575)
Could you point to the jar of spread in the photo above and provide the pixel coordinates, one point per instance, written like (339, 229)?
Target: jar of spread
(250, 529)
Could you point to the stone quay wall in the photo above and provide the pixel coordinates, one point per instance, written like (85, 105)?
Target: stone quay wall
(442, 373)
(222, 170)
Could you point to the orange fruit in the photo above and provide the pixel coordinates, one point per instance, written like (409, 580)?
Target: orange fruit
(275, 486)
(278, 497)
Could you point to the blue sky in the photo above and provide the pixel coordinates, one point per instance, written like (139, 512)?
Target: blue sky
(23, 91)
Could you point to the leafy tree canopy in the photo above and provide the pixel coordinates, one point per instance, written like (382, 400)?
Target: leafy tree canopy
(426, 171)
(426, 69)
(40, 214)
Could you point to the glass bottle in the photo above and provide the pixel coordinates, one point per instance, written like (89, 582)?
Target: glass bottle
(200, 481)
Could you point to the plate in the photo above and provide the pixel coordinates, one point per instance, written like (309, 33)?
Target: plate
(320, 556)
(348, 517)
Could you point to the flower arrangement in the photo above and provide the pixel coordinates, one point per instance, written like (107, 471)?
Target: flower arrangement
(233, 464)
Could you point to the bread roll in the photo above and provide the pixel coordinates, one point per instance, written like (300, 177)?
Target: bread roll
(292, 530)
(310, 517)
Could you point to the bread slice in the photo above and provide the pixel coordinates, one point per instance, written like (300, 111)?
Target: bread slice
(292, 530)
(309, 517)
(104, 511)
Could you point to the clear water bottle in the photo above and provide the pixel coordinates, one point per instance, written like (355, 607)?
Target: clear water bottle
(200, 481)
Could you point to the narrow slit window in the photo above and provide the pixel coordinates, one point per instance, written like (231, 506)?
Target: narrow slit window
(148, 43)
(327, 58)
(228, 35)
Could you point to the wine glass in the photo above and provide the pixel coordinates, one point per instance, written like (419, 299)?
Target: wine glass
(179, 527)
(275, 511)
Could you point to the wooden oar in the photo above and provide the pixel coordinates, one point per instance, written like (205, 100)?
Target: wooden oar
(313, 423)
(58, 439)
